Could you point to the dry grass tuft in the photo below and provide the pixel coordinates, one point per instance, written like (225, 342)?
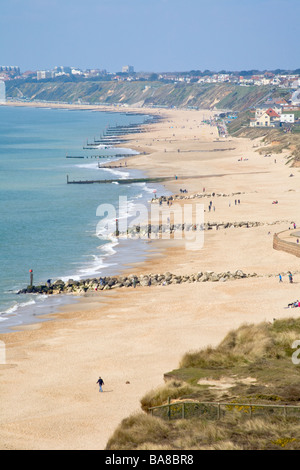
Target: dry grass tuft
(225, 445)
(136, 430)
(174, 389)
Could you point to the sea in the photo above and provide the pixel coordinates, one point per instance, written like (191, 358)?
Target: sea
(50, 227)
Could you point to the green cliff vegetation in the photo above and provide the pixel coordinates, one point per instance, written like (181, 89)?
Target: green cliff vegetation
(141, 93)
(252, 365)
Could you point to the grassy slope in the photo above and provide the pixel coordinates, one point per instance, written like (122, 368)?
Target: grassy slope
(261, 353)
(242, 98)
(144, 93)
(275, 139)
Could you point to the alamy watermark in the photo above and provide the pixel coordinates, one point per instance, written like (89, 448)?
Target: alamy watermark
(178, 222)
(295, 358)
(2, 353)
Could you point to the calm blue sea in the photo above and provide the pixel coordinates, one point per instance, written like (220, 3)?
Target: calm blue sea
(47, 225)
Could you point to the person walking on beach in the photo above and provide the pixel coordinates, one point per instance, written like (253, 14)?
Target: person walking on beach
(290, 278)
(280, 278)
(100, 382)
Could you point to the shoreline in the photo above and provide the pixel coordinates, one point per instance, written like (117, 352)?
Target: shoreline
(133, 337)
(30, 311)
(83, 107)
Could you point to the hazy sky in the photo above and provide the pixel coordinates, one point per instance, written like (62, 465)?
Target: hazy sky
(151, 35)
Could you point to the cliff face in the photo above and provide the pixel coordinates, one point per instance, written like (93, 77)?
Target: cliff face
(181, 95)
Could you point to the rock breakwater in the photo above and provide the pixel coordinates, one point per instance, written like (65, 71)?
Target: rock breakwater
(132, 281)
(144, 231)
(176, 197)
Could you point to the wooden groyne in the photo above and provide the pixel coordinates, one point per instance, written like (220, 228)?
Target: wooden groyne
(96, 147)
(158, 179)
(110, 142)
(157, 231)
(122, 181)
(117, 155)
(113, 135)
(109, 139)
(133, 131)
(74, 156)
(209, 150)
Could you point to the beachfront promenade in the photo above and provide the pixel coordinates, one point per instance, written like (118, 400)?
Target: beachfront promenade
(288, 241)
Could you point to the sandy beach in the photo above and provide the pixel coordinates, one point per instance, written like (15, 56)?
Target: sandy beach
(132, 337)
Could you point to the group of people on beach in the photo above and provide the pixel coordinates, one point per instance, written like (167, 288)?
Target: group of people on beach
(290, 277)
(210, 207)
(296, 303)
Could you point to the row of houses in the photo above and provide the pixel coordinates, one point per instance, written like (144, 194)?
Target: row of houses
(281, 81)
(68, 71)
(275, 113)
(289, 80)
(264, 79)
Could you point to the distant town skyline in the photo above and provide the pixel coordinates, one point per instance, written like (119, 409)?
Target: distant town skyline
(151, 35)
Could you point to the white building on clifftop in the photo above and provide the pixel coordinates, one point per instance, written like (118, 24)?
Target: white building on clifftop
(296, 97)
(2, 92)
(127, 69)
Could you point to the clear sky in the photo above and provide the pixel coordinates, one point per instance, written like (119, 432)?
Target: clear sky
(151, 35)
